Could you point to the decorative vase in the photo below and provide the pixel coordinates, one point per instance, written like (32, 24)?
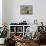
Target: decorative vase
(2, 40)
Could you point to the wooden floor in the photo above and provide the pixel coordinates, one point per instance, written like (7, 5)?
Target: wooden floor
(1, 45)
(36, 44)
(42, 45)
(32, 45)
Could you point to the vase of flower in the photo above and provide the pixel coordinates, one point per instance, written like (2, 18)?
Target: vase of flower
(3, 34)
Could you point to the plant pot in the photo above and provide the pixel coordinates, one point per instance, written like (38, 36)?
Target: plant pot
(2, 40)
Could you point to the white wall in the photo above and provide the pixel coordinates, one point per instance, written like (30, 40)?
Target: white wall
(13, 6)
(0, 13)
(4, 11)
(12, 11)
(42, 11)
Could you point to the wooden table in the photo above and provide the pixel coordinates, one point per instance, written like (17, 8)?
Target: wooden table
(27, 43)
(23, 42)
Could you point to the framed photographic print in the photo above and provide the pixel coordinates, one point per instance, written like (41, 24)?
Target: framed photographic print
(26, 9)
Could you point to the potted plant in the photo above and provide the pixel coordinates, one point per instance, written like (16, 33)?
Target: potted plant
(3, 34)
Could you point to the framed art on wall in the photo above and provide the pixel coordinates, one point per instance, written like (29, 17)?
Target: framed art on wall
(26, 9)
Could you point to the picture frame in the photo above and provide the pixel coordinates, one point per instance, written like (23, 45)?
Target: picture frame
(26, 9)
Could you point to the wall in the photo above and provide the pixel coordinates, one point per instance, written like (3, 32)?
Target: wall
(42, 11)
(16, 11)
(12, 11)
(0, 13)
(4, 11)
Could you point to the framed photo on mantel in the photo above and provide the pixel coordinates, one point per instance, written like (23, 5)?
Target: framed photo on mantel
(26, 9)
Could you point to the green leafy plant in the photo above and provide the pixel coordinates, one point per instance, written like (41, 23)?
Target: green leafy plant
(4, 32)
